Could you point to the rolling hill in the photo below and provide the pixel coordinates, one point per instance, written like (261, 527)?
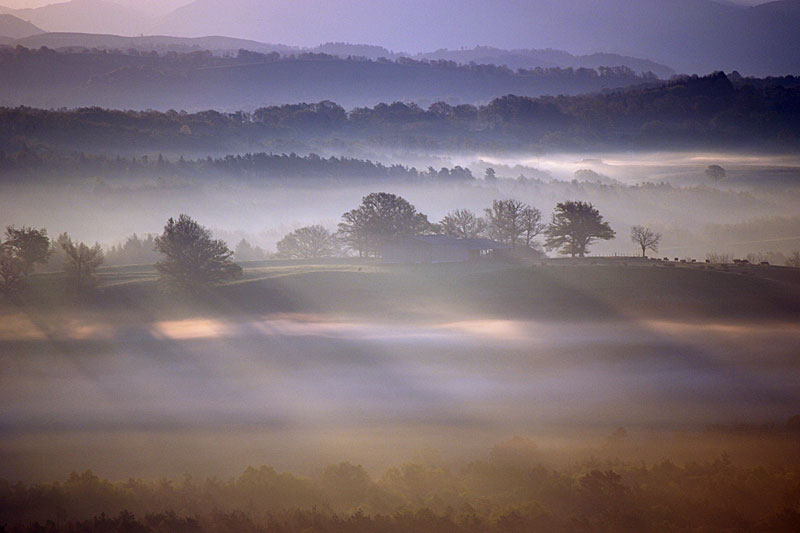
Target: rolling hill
(90, 16)
(46, 78)
(694, 36)
(15, 28)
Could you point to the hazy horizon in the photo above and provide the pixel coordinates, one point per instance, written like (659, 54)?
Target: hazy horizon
(511, 286)
(691, 36)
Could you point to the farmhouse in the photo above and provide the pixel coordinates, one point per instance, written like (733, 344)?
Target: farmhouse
(438, 249)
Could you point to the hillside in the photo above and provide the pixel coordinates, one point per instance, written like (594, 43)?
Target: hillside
(546, 58)
(711, 112)
(16, 28)
(693, 36)
(90, 16)
(159, 43)
(201, 81)
(352, 288)
(514, 59)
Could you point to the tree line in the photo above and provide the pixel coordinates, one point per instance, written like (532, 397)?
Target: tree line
(714, 110)
(510, 491)
(201, 80)
(289, 168)
(189, 258)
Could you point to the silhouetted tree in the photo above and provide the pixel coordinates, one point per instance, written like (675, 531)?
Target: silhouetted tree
(310, 242)
(715, 172)
(513, 222)
(532, 225)
(57, 255)
(29, 245)
(81, 262)
(462, 224)
(192, 258)
(245, 251)
(645, 238)
(576, 225)
(12, 275)
(135, 250)
(380, 217)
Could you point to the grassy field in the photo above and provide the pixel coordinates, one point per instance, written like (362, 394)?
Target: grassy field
(364, 289)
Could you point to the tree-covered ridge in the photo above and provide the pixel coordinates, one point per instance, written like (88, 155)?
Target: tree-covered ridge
(247, 80)
(508, 492)
(290, 168)
(715, 110)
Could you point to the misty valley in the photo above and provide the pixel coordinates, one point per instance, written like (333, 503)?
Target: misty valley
(362, 267)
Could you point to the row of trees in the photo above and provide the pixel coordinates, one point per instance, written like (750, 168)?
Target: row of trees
(190, 258)
(686, 111)
(26, 247)
(574, 226)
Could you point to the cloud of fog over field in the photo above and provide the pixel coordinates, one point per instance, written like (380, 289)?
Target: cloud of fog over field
(754, 209)
(211, 396)
(435, 265)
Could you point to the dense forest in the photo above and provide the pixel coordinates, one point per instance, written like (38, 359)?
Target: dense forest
(715, 111)
(508, 492)
(200, 80)
(259, 167)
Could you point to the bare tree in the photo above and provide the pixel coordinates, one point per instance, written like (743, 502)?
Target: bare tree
(462, 224)
(793, 260)
(532, 225)
(310, 242)
(506, 221)
(645, 238)
(82, 262)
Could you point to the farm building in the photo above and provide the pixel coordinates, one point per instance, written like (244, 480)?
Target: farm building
(438, 249)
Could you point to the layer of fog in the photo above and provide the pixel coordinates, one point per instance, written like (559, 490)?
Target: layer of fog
(210, 397)
(753, 209)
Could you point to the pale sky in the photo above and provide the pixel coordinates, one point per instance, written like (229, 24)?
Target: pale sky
(142, 4)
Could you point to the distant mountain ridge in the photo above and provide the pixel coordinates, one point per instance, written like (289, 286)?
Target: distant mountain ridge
(16, 28)
(162, 43)
(44, 77)
(89, 16)
(514, 59)
(544, 58)
(691, 36)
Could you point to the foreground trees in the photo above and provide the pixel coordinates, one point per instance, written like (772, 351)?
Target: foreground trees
(380, 217)
(310, 242)
(192, 258)
(575, 226)
(646, 239)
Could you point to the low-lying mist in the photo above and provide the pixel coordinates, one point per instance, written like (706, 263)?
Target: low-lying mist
(752, 209)
(211, 396)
